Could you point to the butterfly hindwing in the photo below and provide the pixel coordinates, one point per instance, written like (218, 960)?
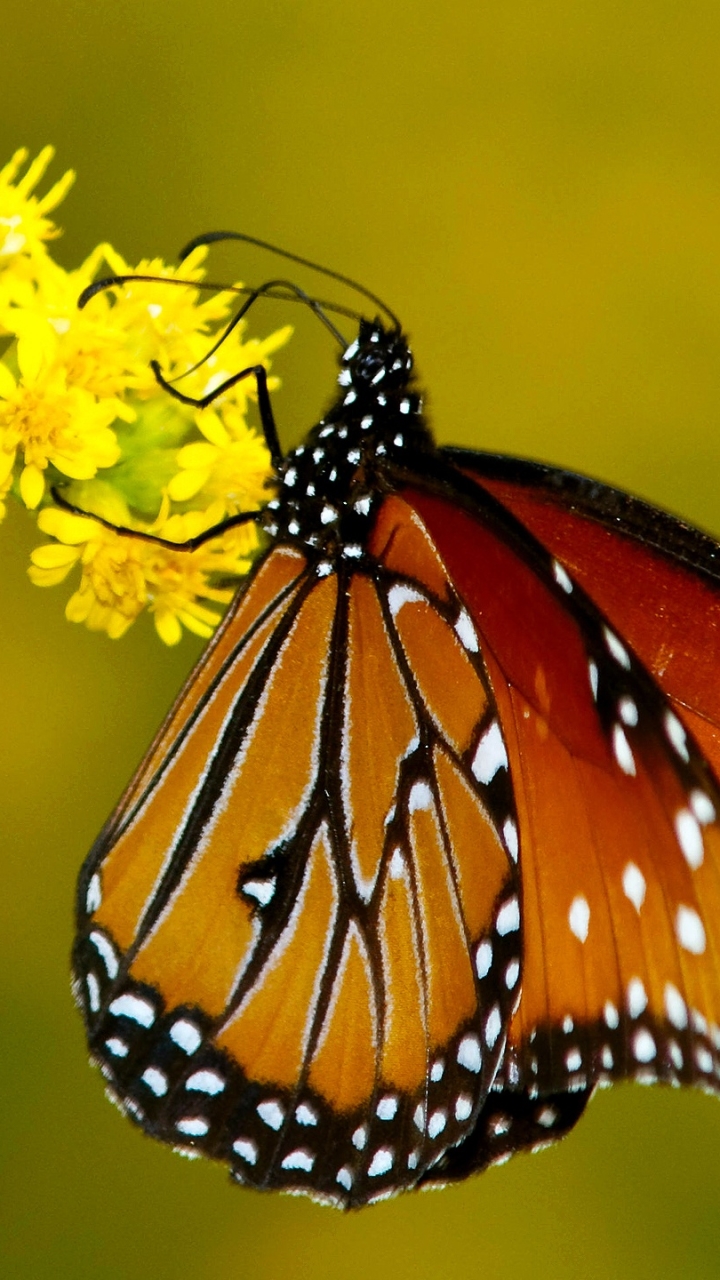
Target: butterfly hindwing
(619, 841)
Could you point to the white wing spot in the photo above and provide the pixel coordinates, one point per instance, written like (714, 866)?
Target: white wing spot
(345, 1177)
(382, 1162)
(305, 1114)
(493, 1026)
(606, 1058)
(94, 895)
(547, 1117)
(129, 1006)
(156, 1081)
(205, 1082)
(611, 1016)
(396, 870)
(490, 756)
(512, 973)
(328, 514)
(627, 710)
(469, 1055)
(561, 577)
(117, 1047)
(93, 990)
(573, 1059)
(508, 917)
(703, 1058)
(185, 1035)
(676, 1055)
(419, 1117)
(463, 1107)
(272, 1113)
(633, 883)
(483, 959)
(420, 797)
(643, 1045)
(193, 1126)
(568, 1024)
(300, 1159)
(359, 1138)
(437, 1123)
(387, 1107)
(689, 837)
(636, 998)
(689, 930)
(677, 735)
(593, 673)
(246, 1149)
(262, 891)
(623, 751)
(499, 1125)
(675, 1007)
(579, 917)
(107, 953)
(466, 632)
(511, 838)
(437, 1071)
(702, 807)
(617, 648)
(400, 595)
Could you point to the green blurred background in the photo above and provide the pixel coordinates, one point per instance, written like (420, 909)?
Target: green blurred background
(535, 187)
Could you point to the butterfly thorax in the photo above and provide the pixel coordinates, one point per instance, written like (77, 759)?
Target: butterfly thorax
(329, 487)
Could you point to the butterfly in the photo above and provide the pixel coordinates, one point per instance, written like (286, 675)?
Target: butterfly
(428, 848)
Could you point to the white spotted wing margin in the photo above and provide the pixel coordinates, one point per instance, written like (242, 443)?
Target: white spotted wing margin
(188, 1076)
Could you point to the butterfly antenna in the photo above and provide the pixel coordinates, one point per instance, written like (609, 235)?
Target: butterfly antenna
(212, 237)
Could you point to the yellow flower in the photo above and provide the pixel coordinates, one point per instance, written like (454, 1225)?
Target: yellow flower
(121, 574)
(79, 400)
(23, 225)
(231, 466)
(49, 422)
(43, 314)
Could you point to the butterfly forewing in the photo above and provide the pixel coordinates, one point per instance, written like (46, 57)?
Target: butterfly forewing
(300, 944)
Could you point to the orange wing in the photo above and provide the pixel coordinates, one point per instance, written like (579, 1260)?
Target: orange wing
(619, 844)
(298, 938)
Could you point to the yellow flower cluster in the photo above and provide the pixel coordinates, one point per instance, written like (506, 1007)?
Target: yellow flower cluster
(82, 412)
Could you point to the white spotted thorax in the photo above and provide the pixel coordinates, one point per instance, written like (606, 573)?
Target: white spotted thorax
(330, 486)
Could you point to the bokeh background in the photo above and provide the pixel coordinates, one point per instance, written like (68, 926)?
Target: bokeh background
(535, 187)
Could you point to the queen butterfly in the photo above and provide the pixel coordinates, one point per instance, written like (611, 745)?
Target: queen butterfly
(427, 849)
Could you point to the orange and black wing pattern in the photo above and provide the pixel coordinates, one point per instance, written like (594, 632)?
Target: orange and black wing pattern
(617, 801)
(299, 947)
(428, 848)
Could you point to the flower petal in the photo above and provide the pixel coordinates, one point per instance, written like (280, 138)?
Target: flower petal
(32, 486)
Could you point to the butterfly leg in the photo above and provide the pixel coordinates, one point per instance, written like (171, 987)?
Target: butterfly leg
(259, 372)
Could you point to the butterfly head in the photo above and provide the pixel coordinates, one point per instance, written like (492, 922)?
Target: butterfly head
(379, 360)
